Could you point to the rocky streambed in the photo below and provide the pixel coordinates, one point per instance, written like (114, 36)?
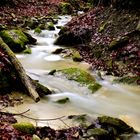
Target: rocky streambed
(60, 68)
(81, 99)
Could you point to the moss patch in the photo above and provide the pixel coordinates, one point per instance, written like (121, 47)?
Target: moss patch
(128, 80)
(97, 132)
(63, 101)
(118, 42)
(118, 124)
(65, 8)
(25, 127)
(27, 51)
(37, 30)
(76, 56)
(15, 39)
(102, 27)
(81, 77)
(50, 26)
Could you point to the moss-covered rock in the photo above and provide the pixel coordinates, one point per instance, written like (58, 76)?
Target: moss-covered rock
(42, 26)
(118, 124)
(68, 38)
(63, 101)
(81, 77)
(97, 132)
(128, 80)
(25, 127)
(58, 51)
(37, 30)
(94, 87)
(31, 40)
(32, 23)
(118, 42)
(65, 8)
(27, 51)
(15, 39)
(76, 56)
(50, 26)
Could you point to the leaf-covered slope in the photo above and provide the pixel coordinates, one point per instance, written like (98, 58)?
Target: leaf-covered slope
(113, 43)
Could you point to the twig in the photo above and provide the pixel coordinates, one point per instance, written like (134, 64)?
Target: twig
(64, 122)
(22, 114)
(14, 114)
(42, 119)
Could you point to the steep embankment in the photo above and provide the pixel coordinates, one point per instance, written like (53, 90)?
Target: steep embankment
(107, 38)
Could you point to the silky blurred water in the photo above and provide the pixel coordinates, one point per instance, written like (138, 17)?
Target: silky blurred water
(115, 100)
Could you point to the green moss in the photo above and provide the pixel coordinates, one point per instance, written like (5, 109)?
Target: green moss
(81, 119)
(32, 23)
(90, 3)
(102, 27)
(35, 137)
(37, 30)
(2, 27)
(81, 77)
(94, 87)
(75, 4)
(15, 39)
(78, 75)
(27, 50)
(50, 26)
(76, 56)
(31, 40)
(65, 8)
(63, 101)
(118, 42)
(42, 26)
(25, 127)
(138, 27)
(116, 123)
(127, 80)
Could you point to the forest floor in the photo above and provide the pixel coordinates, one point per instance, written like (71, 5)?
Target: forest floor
(28, 8)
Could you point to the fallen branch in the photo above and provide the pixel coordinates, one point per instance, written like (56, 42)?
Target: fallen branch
(20, 71)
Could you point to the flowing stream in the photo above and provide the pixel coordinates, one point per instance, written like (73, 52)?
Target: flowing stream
(115, 100)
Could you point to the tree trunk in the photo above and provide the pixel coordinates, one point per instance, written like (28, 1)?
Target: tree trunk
(20, 71)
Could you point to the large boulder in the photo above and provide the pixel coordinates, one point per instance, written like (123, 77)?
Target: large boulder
(16, 39)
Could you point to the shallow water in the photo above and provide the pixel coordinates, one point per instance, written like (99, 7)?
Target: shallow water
(115, 100)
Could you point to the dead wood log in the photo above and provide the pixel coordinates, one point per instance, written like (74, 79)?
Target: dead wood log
(20, 71)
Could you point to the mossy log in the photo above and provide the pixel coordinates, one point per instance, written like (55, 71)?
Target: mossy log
(20, 71)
